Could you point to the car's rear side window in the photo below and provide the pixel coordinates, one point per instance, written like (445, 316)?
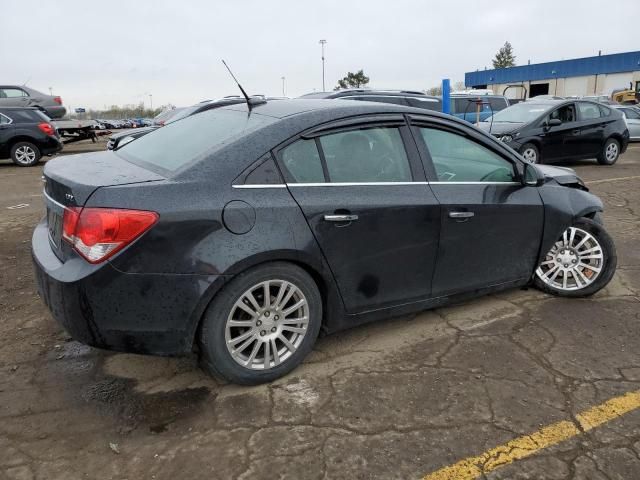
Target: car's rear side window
(301, 159)
(588, 111)
(28, 116)
(355, 156)
(176, 145)
(370, 155)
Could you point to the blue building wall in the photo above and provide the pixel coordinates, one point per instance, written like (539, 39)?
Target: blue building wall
(616, 63)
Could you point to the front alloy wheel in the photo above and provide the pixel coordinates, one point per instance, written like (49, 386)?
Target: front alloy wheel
(262, 324)
(580, 263)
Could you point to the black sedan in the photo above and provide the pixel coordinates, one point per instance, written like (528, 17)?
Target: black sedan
(553, 130)
(244, 233)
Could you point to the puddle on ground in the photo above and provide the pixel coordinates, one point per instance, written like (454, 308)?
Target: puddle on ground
(117, 397)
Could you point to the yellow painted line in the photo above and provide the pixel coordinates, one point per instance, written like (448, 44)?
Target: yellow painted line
(527, 445)
(618, 179)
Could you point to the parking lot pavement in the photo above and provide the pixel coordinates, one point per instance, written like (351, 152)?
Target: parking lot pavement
(518, 385)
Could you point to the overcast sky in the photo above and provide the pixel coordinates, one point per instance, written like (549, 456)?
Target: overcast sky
(95, 53)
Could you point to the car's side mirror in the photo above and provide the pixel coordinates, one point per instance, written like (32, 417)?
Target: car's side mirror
(554, 122)
(531, 176)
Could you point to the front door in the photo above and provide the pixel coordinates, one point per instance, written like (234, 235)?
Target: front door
(491, 224)
(364, 195)
(561, 141)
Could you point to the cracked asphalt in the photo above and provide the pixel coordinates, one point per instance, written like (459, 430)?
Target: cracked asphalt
(397, 399)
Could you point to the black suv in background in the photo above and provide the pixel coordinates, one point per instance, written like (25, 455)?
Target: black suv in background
(26, 134)
(407, 98)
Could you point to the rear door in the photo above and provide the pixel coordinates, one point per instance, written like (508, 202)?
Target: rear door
(591, 126)
(364, 195)
(13, 97)
(491, 225)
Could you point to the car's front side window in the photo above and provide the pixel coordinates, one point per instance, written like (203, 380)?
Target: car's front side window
(368, 155)
(459, 159)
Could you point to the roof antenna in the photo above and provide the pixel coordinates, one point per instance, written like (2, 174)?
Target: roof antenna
(239, 86)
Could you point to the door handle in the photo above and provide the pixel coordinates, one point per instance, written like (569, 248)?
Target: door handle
(340, 218)
(576, 132)
(464, 215)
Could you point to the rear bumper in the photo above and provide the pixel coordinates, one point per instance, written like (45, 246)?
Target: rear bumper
(55, 111)
(51, 145)
(129, 312)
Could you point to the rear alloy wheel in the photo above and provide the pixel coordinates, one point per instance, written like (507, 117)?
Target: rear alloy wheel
(262, 324)
(610, 152)
(580, 263)
(25, 154)
(530, 153)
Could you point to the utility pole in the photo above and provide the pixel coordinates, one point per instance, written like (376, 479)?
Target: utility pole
(51, 91)
(322, 43)
(283, 94)
(150, 102)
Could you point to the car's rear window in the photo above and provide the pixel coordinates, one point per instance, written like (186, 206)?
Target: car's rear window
(26, 116)
(175, 145)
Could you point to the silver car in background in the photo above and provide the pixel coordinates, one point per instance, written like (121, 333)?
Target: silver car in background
(632, 116)
(22, 96)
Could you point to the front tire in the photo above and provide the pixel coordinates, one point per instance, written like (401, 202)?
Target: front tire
(261, 325)
(25, 154)
(531, 153)
(610, 152)
(580, 263)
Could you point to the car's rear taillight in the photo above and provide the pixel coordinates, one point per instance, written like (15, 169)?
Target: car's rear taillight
(99, 233)
(47, 128)
(58, 100)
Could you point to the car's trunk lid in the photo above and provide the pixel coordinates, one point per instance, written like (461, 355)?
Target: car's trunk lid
(70, 181)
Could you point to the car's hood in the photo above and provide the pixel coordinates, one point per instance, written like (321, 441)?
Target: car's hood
(499, 128)
(562, 175)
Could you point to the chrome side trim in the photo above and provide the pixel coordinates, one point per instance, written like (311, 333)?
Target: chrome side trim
(366, 184)
(354, 184)
(52, 200)
(271, 185)
(475, 183)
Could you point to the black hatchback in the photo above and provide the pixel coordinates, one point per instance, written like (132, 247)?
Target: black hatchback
(244, 233)
(546, 131)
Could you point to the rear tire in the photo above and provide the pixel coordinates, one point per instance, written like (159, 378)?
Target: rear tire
(610, 152)
(580, 263)
(241, 330)
(25, 154)
(531, 153)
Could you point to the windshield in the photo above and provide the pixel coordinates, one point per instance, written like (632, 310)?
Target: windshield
(180, 143)
(520, 113)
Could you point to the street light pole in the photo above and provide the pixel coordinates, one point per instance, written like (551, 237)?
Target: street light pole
(283, 94)
(151, 102)
(322, 43)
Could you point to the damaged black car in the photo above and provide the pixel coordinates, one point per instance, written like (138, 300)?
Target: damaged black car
(246, 231)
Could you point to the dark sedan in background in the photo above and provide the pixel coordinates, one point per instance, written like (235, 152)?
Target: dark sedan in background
(23, 96)
(552, 130)
(244, 231)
